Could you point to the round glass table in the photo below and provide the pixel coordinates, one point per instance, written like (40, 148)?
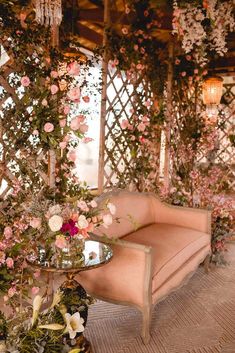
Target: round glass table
(90, 255)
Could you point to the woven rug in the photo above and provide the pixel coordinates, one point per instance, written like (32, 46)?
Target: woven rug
(197, 318)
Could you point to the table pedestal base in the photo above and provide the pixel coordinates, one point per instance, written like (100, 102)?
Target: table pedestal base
(83, 344)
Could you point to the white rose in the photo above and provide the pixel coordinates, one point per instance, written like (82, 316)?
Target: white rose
(82, 222)
(112, 208)
(107, 219)
(55, 223)
(55, 209)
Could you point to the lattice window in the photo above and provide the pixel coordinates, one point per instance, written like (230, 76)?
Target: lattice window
(122, 100)
(224, 153)
(13, 164)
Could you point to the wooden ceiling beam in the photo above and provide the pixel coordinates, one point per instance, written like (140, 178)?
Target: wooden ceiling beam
(97, 15)
(89, 34)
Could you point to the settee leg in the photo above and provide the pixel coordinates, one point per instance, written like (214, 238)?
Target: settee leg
(206, 263)
(146, 324)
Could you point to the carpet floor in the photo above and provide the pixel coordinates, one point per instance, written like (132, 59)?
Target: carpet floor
(197, 318)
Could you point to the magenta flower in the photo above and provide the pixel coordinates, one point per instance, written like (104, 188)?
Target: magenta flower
(69, 228)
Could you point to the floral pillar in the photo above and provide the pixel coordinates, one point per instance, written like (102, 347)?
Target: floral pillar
(103, 101)
(168, 117)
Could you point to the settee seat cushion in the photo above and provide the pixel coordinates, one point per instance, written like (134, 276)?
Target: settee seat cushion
(173, 247)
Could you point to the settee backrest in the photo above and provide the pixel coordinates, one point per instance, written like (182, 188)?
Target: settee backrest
(134, 210)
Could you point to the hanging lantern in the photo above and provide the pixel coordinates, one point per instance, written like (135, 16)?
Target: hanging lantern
(48, 12)
(212, 89)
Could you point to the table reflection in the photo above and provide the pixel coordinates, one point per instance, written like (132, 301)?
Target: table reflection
(92, 255)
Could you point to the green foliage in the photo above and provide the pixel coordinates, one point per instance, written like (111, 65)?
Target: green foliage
(3, 326)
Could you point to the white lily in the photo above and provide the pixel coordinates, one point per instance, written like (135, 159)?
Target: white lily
(37, 302)
(53, 327)
(74, 324)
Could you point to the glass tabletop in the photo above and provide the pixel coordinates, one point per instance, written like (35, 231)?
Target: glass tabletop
(93, 255)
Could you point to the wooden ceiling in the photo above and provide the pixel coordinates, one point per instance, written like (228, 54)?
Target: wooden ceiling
(85, 20)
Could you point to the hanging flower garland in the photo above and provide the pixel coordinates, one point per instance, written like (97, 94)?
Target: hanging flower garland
(202, 26)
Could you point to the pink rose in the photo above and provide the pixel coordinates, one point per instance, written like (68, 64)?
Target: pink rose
(44, 102)
(86, 99)
(62, 122)
(3, 246)
(81, 118)
(11, 291)
(177, 62)
(195, 71)
(54, 74)
(83, 128)
(122, 50)
(25, 81)
(37, 274)
(73, 69)
(60, 242)
(54, 89)
(35, 132)
(75, 124)
(141, 127)
(183, 74)
(7, 232)
(63, 145)
(66, 109)
(124, 123)
(74, 94)
(72, 155)
(48, 127)
(188, 57)
(142, 139)
(147, 103)
(139, 66)
(35, 290)
(136, 47)
(87, 139)
(124, 30)
(35, 222)
(10, 262)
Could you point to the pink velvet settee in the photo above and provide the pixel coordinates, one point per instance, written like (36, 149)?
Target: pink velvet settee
(153, 254)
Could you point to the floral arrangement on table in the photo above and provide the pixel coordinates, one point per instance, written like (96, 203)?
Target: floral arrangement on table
(40, 222)
(53, 329)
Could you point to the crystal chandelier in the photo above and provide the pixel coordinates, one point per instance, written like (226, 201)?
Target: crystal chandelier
(48, 12)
